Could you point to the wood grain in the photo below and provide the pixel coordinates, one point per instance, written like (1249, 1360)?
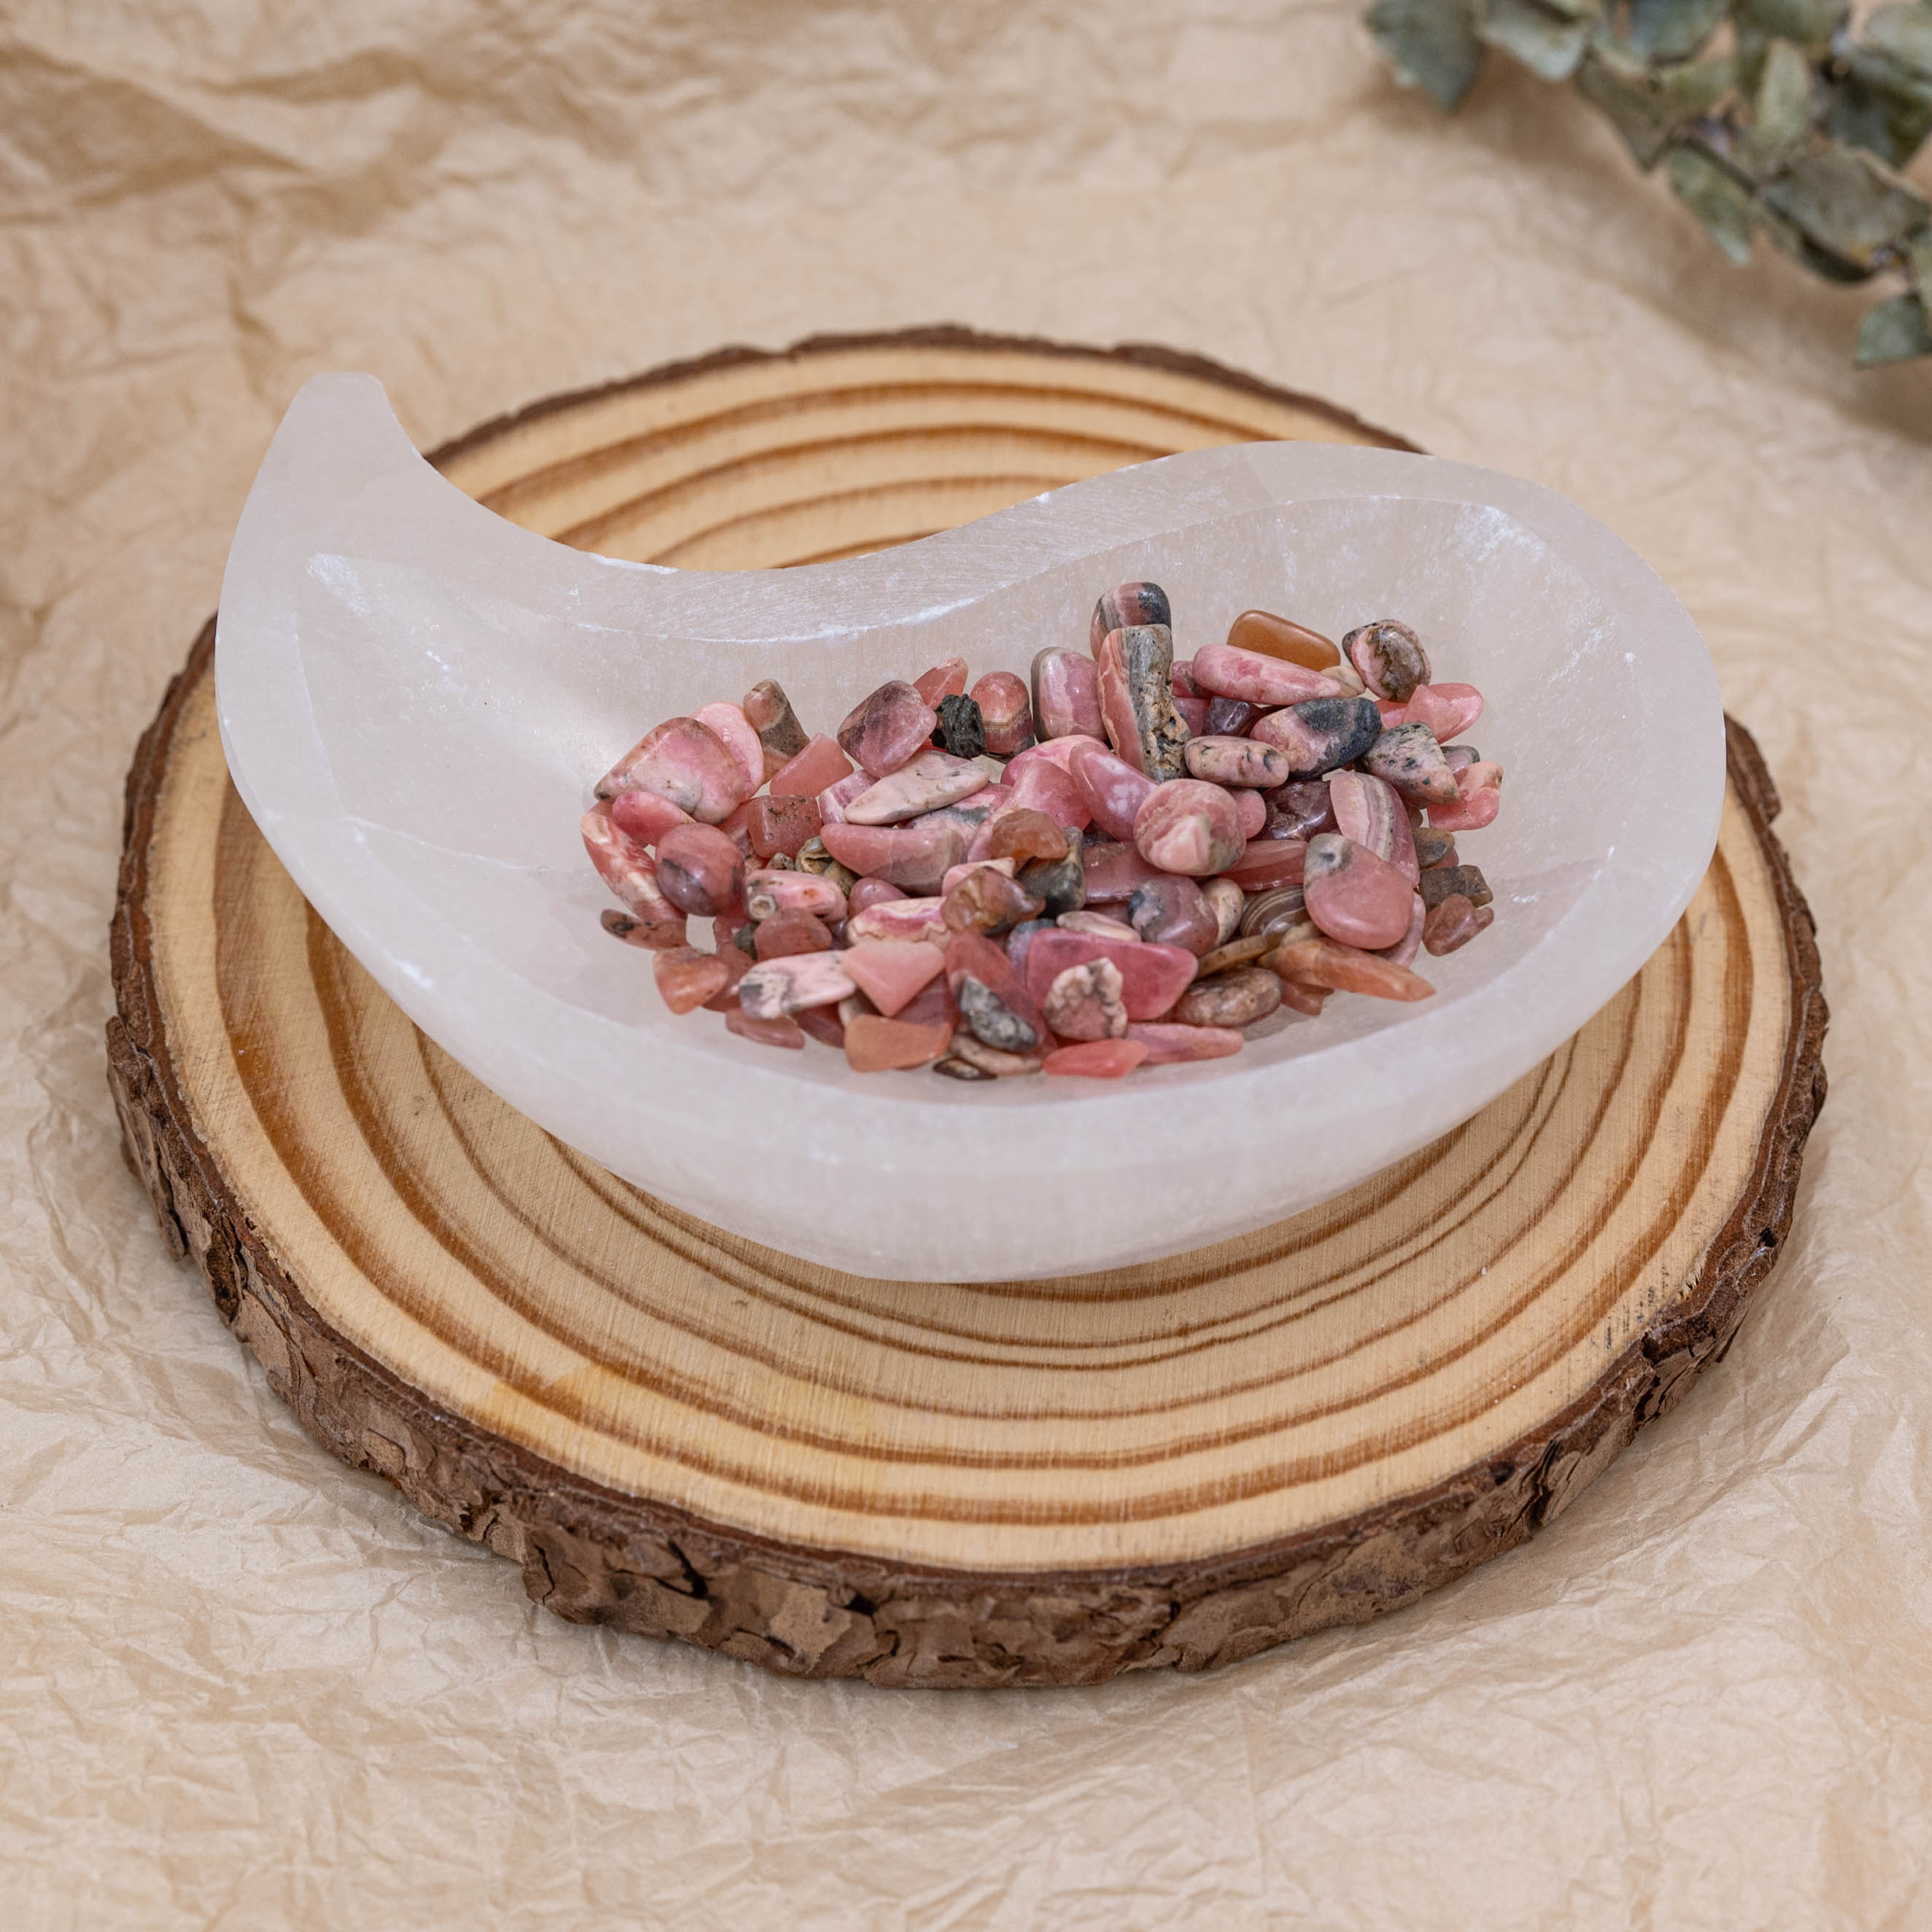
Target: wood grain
(676, 1431)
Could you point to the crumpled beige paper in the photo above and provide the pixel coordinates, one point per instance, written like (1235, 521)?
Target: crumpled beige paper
(245, 1687)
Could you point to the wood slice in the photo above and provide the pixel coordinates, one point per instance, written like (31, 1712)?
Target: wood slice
(679, 1432)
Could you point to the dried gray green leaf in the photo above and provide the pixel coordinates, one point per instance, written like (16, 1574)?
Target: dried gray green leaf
(1880, 104)
(1903, 33)
(1430, 44)
(1717, 198)
(1781, 109)
(1673, 30)
(1549, 42)
(1847, 204)
(1894, 331)
(1810, 23)
(1650, 106)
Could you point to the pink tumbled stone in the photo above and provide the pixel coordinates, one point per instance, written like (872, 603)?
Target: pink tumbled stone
(1114, 791)
(1174, 911)
(655, 927)
(733, 729)
(780, 824)
(946, 679)
(1193, 712)
(775, 987)
(1353, 897)
(1251, 812)
(1405, 948)
(1167, 1043)
(684, 761)
(956, 873)
(767, 892)
(622, 862)
(1113, 871)
(700, 869)
(874, 1045)
(1056, 751)
(1100, 924)
(786, 933)
(1447, 710)
(686, 978)
(645, 817)
(1225, 670)
(1152, 977)
(929, 780)
(886, 726)
(1084, 1002)
(973, 954)
(1098, 1059)
(783, 1031)
(916, 856)
(834, 798)
(1044, 787)
(820, 764)
(1188, 827)
(1236, 761)
(871, 893)
(1006, 710)
(1478, 799)
(889, 972)
(1066, 694)
(899, 919)
(1266, 862)
(1367, 811)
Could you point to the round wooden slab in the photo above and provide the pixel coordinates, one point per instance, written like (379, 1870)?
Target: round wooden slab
(674, 1431)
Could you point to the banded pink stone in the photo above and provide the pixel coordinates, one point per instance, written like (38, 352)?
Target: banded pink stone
(1189, 827)
(1005, 711)
(1125, 604)
(1225, 670)
(777, 987)
(1066, 694)
(767, 892)
(1367, 810)
(729, 725)
(899, 919)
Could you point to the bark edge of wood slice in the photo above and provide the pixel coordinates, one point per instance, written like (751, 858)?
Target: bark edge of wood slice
(838, 445)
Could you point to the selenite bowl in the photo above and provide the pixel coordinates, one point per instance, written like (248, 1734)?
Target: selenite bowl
(416, 697)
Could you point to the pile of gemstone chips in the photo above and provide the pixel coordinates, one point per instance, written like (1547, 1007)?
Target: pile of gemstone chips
(1133, 861)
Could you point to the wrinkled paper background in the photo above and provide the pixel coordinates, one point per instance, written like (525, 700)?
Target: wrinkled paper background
(244, 1687)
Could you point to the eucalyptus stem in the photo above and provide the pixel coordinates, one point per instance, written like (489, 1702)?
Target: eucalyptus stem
(1769, 117)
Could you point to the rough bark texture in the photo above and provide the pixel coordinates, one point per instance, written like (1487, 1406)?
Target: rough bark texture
(594, 1555)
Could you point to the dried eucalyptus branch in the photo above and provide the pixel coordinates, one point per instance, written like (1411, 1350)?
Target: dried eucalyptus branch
(1772, 115)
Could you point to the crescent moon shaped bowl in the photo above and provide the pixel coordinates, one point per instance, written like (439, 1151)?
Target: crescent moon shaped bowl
(415, 696)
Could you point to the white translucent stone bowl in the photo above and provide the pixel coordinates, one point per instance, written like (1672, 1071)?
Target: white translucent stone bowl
(415, 696)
